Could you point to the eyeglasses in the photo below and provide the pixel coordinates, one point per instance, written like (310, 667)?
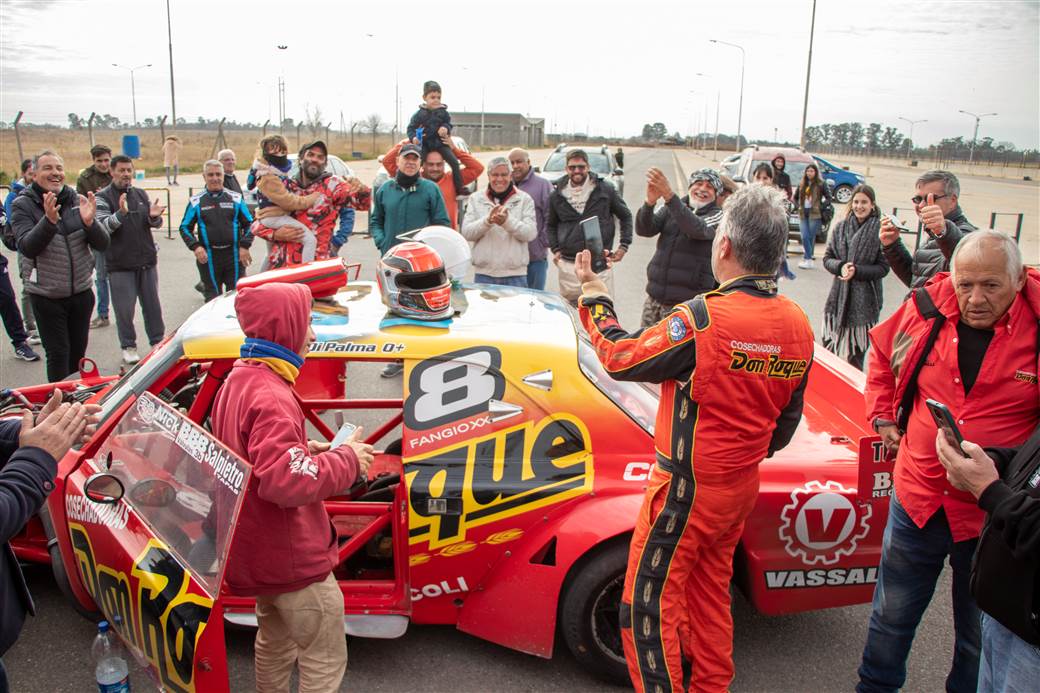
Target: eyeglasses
(576, 168)
(917, 199)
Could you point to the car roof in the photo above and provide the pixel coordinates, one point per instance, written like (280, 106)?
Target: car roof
(789, 153)
(356, 324)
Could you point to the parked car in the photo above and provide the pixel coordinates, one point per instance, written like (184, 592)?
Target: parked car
(601, 161)
(334, 165)
(841, 180)
(504, 506)
(730, 165)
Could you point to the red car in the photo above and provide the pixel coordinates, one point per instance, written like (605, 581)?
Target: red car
(504, 505)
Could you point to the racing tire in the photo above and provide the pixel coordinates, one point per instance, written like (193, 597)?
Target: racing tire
(61, 575)
(589, 615)
(843, 193)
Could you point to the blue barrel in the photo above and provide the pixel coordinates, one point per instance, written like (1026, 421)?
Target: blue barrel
(132, 146)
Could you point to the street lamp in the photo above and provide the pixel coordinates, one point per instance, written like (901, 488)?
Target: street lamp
(808, 72)
(718, 96)
(977, 117)
(133, 92)
(740, 107)
(910, 139)
(281, 89)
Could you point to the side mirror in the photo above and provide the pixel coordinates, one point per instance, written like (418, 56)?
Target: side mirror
(619, 171)
(103, 488)
(844, 168)
(739, 179)
(153, 493)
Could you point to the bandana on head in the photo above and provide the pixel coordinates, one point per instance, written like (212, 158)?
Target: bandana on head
(709, 175)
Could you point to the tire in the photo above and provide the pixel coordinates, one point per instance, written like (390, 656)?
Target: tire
(61, 575)
(589, 614)
(843, 193)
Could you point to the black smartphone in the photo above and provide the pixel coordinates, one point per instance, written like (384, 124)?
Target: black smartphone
(594, 243)
(944, 420)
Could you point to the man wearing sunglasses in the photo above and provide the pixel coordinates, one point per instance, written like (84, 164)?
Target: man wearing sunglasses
(580, 195)
(936, 204)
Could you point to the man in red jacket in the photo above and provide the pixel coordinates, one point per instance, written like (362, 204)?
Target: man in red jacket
(285, 546)
(982, 363)
(433, 170)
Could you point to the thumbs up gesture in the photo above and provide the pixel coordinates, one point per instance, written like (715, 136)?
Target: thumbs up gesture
(932, 217)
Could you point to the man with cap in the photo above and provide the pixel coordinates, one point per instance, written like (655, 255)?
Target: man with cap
(339, 200)
(433, 163)
(286, 548)
(685, 228)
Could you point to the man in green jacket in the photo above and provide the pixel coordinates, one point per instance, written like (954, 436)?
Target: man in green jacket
(405, 202)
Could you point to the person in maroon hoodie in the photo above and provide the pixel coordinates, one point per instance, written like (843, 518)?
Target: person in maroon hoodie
(285, 546)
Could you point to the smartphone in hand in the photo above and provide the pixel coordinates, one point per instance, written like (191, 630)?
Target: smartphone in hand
(342, 434)
(594, 243)
(944, 420)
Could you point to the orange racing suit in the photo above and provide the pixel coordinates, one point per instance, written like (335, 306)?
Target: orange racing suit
(733, 365)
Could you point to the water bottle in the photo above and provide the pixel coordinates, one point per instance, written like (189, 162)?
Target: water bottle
(111, 673)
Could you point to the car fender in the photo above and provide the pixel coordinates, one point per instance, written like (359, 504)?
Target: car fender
(515, 604)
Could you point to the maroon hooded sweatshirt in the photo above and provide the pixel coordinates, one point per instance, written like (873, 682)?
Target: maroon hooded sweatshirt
(284, 540)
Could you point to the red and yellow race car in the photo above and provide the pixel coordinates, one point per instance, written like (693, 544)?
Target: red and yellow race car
(510, 474)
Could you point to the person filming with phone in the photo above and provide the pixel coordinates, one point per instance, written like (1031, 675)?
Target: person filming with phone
(968, 341)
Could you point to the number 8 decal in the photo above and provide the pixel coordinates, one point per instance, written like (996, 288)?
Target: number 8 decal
(453, 386)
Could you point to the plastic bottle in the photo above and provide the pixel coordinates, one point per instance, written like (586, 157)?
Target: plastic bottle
(111, 671)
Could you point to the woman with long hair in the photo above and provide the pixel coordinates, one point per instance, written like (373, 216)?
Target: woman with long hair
(854, 256)
(809, 199)
(764, 175)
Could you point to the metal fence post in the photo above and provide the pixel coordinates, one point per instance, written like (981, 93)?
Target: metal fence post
(90, 127)
(18, 137)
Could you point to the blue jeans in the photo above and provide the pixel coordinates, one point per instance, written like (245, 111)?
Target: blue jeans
(809, 229)
(519, 280)
(101, 283)
(1009, 664)
(536, 273)
(912, 558)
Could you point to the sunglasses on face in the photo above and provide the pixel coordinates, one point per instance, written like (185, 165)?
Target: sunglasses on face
(918, 199)
(576, 168)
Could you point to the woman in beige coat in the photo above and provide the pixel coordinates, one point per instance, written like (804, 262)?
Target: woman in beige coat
(499, 222)
(171, 150)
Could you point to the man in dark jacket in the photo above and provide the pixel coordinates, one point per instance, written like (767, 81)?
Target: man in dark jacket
(29, 454)
(681, 266)
(227, 160)
(129, 216)
(936, 205)
(580, 195)
(93, 178)
(1006, 482)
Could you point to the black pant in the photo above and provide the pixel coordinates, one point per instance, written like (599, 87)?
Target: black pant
(64, 324)
(222, 263)
(9, 312)
(450, 159)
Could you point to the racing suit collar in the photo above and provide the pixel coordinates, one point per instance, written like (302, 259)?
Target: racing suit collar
(756, 284)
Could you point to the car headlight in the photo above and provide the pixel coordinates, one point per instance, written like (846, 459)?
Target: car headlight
(860, 178)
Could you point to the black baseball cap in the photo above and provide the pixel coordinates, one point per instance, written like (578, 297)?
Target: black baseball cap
(410, 149)
(311, 145)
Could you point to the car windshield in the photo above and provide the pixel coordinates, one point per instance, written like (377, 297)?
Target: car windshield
(638, 400)
(333, 165)
(141, 376)
(598, 161)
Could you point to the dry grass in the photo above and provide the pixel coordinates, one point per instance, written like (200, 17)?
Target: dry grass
(74, 146)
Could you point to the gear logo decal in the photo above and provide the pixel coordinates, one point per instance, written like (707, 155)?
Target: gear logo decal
(821, 524)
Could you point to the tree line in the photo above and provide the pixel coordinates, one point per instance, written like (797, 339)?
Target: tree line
(875, 137)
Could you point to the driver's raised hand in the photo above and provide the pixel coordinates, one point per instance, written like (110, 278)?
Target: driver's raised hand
(583, 267)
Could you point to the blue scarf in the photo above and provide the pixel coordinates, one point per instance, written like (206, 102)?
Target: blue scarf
(283, 361)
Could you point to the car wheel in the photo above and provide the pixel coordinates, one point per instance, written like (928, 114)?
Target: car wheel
(821, 235)
(61, 576)
(843, 193)
(589, 614)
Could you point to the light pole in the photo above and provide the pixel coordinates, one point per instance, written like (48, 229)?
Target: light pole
(133, 91)
(977, 117)
(718, 96)
(808, 72)
(281, 89)
(740, 107)
(169, 39)
(910, 139)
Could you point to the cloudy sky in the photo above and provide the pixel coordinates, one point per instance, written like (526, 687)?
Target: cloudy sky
(604, 66)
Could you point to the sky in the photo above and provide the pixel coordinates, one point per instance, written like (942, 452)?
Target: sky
(603, 67)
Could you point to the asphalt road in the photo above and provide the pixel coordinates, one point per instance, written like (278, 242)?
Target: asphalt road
(808, 652)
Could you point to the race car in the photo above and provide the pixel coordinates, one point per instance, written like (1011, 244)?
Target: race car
(502, 501)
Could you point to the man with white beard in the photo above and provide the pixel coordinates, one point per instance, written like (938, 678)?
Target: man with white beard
(685, 228)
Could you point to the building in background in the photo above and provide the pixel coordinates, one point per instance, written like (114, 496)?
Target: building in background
(500, 129)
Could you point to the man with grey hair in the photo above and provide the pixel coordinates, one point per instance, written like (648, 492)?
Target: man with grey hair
(227, 160)
(221, 246)
(732, 365)
(500, 223)
(969, 341)
(539, 189)
(936, 204)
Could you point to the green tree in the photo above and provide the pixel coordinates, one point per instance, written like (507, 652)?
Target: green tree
(873, 136)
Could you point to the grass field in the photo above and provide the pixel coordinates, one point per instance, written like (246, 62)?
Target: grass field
(198, 145)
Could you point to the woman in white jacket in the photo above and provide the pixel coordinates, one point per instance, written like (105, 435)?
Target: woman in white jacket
(499, 222)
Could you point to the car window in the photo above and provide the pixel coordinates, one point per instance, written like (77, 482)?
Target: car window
(141, 376)
(635, 399)
(598, 162)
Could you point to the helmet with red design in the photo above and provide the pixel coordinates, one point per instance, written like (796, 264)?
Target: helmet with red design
(414, 283)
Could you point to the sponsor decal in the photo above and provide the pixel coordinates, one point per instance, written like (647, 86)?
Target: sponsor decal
(876, 468)
(637, 471)
(787, 579)
(452, 387)
(153, 608)
(1024, 377)
(821, 524)
(80, 509)
(772, 366)
(440, 589)
(676, 329)
(453, 432)
(751, 346)
(349, 347)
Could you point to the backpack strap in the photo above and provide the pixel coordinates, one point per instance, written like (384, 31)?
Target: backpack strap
(929, 311)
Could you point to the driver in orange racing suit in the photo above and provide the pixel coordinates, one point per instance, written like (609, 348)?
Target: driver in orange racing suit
(733, 365)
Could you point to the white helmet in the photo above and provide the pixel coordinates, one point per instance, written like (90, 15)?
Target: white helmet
(450, 245)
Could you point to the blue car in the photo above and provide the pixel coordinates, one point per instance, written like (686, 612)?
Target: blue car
(841, 180)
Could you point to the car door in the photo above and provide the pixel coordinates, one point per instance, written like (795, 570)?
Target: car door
(150, 520)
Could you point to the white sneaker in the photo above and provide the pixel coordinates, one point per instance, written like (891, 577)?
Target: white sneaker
(130, 356)
(805, 264)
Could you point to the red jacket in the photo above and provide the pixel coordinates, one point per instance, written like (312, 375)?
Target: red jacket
(284, 539)
(1001, 410)
(471, 171)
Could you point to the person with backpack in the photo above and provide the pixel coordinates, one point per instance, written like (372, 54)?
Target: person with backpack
(968, 340)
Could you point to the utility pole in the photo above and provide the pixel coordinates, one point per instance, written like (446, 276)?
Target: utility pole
(975, 136)
(740, 106)
(133, 89)
(169, 38)
(910, 139)
(808, 73)
(481, 115)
